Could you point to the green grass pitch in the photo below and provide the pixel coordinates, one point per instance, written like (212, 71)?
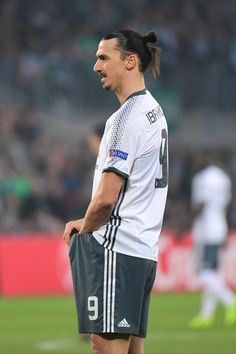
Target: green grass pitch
(48, 325)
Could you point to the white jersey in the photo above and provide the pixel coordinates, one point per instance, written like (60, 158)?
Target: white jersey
(212, 187)
(135, 146)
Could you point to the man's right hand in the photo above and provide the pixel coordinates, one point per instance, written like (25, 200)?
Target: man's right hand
(71, 228)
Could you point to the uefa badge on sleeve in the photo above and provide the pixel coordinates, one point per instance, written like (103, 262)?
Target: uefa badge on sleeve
(118, 153)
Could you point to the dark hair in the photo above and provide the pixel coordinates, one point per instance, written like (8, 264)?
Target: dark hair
(130, 41)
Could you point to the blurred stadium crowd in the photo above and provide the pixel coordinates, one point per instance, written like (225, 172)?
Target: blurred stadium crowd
(47, 55)
(47, 46)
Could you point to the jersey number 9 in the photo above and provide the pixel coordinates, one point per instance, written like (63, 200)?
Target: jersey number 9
(163, 159)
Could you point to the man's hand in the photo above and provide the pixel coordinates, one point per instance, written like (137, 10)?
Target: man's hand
(71, 228)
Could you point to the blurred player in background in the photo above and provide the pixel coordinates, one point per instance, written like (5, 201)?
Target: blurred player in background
(95, 138)
(211, 194)
(114, 252)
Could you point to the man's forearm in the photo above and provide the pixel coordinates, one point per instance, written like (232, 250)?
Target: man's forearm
(97, 215)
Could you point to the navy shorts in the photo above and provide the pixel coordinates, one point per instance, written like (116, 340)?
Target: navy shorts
(112, 290)
(208, 256)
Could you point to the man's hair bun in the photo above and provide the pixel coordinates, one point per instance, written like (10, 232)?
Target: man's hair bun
(150, 37)
(129, 42)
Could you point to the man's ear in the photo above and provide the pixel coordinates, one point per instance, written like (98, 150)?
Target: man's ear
(131, 61)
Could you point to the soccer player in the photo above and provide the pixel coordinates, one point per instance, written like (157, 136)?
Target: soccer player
(114, 252)
(95, 138)
(211, 194)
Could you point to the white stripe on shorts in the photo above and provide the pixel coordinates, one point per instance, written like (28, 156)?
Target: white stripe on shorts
(109, 284)
(113, 292)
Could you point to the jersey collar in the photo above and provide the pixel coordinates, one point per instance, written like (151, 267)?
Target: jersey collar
(137, 93)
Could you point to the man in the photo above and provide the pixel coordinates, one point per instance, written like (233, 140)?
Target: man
(114, 254)
(95, 138)
(211, 193)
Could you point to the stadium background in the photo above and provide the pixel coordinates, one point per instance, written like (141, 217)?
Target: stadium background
(50, 102)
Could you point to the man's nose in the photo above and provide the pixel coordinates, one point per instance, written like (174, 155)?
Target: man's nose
(96, 67)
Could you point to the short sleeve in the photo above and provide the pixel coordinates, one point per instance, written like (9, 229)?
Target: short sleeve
(121, 144)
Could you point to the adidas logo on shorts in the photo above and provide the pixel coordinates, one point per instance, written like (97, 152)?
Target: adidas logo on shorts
(123, 323)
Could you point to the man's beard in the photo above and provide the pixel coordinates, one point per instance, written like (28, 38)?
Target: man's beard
(107, 88)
